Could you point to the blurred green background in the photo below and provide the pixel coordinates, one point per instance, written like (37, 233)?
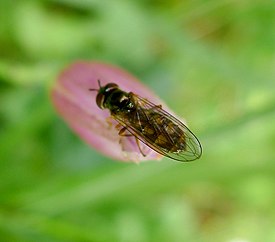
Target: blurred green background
(211, 61)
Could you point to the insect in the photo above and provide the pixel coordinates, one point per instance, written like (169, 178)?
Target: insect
(148, 123)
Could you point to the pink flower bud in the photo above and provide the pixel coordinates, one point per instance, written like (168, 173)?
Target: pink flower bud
(76, 104)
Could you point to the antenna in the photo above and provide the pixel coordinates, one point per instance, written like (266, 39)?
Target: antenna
(99, 84)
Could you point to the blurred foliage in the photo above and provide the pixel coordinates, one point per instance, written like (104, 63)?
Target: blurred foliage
(211, 61)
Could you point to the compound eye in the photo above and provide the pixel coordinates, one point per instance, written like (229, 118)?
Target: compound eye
(100, 100)
(110, 86)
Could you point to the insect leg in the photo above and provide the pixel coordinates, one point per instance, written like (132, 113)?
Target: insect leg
(138, 144)
(122, 133)
(109, 121)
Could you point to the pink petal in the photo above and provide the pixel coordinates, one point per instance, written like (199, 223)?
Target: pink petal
(77, 106)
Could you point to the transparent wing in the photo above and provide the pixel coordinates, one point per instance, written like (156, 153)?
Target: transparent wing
(146, 111)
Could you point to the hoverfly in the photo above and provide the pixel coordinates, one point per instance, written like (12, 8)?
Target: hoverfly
(148, 123)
